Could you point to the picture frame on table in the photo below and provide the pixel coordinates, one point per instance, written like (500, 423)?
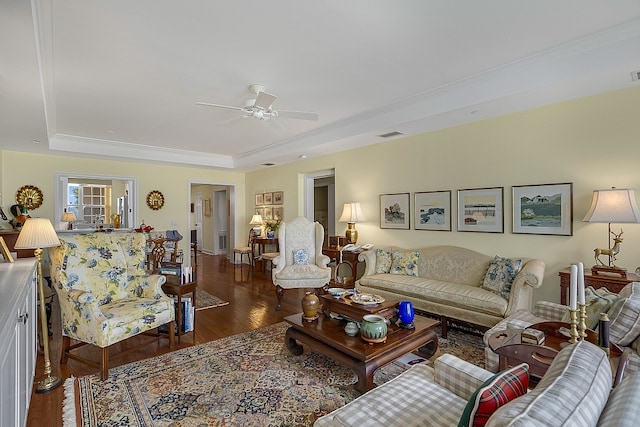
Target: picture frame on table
(268, 198)
(4, 250)
(278, 197)
(432, 210)
(394, 211)
(259, 199)
(545, 209)
(481, 209)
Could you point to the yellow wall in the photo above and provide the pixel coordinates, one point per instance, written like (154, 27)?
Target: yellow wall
(18, 169)
(592, 142)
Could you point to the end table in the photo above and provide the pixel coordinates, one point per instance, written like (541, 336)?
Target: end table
(173, 287)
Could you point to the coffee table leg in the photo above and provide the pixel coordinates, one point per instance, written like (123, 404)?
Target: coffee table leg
(430, 347)
(291, 342)
(365, 376)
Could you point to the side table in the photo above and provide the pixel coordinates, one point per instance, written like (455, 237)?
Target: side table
(173, 287)
(612, 282)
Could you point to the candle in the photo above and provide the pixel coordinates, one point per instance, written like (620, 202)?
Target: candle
(573, 289)
(580, 283)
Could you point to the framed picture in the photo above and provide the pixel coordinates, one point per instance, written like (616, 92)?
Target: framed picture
(278, 212)
(4, 249)
(260, 211)
(268, 198)
(394, 211)
(543, 209)
(268, 213)
(432, 210)
(259, 199)
(481, 209)
(278, 197)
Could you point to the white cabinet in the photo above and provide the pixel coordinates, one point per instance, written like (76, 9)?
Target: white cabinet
(17, 339)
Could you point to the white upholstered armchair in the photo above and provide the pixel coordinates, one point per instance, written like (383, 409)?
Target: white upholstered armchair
(300, 263)
(105, 293)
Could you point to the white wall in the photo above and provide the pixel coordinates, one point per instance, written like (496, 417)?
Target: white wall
(592, 142)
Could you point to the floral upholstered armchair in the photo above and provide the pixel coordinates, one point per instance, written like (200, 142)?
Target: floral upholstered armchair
(105, 293)
(300, 262)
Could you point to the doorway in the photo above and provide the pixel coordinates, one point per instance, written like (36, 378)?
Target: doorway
(212, 216)
(320, 200)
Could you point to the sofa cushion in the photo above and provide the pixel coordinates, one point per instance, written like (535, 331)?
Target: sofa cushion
(573, 392)
(625, 315)
(498, 390)
(622, 409)
(500, 275)
(404, 263)
(383, 261)
(410, 399)
(439, 292)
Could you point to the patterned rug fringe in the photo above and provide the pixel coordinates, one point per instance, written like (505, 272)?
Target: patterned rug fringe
(69, 404)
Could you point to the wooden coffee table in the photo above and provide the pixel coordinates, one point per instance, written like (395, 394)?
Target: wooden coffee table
(327, 336)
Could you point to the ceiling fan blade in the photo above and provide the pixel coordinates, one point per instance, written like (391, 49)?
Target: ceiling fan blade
(231, 120)
(264, 100)
(206, 104)
(274, 124)
(298, 115)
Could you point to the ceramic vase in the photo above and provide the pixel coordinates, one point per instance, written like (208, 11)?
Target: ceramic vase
(351, 329)
(310, 306)
(373, 328)
(271, 234)
(406, 313)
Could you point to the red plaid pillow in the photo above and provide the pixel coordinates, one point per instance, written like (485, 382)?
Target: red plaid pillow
(498, 390)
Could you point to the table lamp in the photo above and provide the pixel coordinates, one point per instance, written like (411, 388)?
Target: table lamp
(68, 217)
(351, 213)
(38, 233)
(612, 206)
(256, 219)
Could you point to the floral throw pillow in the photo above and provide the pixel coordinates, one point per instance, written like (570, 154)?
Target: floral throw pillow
(500, 275)
(383, 261)
(404, 263)
(300, 257)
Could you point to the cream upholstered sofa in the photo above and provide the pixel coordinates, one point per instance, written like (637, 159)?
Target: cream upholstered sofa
(624, 314)
(575, 391)
(105, 293)
(449, 281)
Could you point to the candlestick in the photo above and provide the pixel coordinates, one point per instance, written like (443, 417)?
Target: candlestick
(580, 283)
(573, 289)
(582, 323)
(574, 326)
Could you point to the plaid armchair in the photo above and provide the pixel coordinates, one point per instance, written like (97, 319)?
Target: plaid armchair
(105, 293)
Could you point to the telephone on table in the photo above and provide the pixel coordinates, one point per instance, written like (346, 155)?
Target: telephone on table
(352, 248)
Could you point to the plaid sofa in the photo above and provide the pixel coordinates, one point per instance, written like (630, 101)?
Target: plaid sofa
(576, 391)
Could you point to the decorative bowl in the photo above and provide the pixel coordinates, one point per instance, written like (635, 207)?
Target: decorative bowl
(336, 292)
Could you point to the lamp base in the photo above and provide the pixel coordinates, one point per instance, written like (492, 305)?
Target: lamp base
(47, 384)
(351, 234)
(597, 269)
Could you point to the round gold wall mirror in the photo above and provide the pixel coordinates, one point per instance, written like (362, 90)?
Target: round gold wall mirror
(29, 196)
(155, 200)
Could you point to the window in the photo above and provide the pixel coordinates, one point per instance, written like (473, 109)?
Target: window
(89, 202)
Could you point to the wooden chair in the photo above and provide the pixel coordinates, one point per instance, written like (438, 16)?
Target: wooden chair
(158, 252)
(245, 250)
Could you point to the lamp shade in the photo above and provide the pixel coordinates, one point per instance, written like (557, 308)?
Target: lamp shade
(256, 219)
(613, 206)
(37, 233)
(68, 216)
(352, 212)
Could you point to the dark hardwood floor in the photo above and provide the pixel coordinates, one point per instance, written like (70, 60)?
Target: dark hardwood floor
(252, 305)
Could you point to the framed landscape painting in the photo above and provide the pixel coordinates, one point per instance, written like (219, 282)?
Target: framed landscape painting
(481, 209)
(259, 199)
(543, 209)
(432, 210)
(394, 211)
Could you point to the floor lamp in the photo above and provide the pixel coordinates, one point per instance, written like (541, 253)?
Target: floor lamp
(38, 233)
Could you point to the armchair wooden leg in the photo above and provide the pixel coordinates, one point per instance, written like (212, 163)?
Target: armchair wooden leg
(104, 364)
(171, 335)
(279, 293)
(66, 344)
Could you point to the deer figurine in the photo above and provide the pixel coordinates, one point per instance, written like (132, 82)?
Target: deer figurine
(612, 252)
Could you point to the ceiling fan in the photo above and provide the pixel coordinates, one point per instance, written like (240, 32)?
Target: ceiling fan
(260, 108)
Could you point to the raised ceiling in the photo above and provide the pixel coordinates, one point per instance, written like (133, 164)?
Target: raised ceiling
(120, 79)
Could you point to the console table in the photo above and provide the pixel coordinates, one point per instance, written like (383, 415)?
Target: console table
(261, 242)
(614, 283)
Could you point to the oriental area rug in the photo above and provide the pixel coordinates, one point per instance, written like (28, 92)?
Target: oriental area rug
(250, 379)
(205, 300)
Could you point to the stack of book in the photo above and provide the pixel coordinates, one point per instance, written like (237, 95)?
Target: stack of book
(532, 336)
(187, 312)
(170, 268)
